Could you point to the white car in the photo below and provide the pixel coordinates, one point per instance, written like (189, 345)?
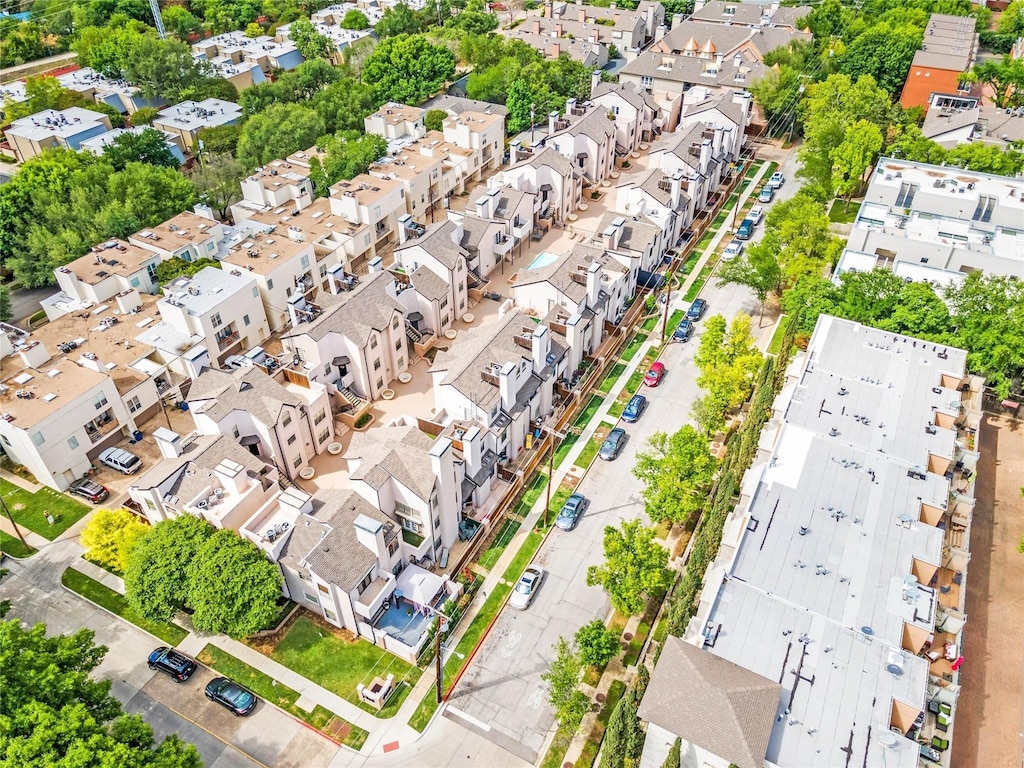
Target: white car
(732, 250)
(526, 587)
(777, 180)
(756, 214)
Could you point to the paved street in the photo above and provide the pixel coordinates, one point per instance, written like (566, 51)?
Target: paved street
(502, 696)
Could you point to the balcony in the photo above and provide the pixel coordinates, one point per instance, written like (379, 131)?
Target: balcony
(223, 342)
(368, 603)
(100, 431)
(502, 244)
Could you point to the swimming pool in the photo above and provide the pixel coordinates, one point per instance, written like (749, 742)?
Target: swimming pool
(543, 259)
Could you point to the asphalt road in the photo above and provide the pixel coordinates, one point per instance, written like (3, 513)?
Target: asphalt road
(501, 696)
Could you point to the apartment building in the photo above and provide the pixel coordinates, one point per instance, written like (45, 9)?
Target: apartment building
(937, 223)
(772, 15)
(187, 119)
(68, 128)
(638, 242)
(285, 419)
(97, 144)
(234, 49)
(634, 114)
(277, 184)
(591, 51)
(187, 236)
(223, 306)
(555, 183)
(730, 115)
(699, 154)
(494, 226)
(356, 340)
(849, 549)
(953, 119)
(340, 38)
(585, 137)
(949, 49)
(440, 250)
(395, 122)
(656, 199)
(421, 176)
(483, 133)
(117, 93)
(373, 202)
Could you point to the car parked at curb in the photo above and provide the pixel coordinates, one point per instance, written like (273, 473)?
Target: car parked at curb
(634, 408)
(612, 446)
(171, 662)
(777, 180)
(571, 512)
(696, 310)
(756, 214)
(683, 330)
(746, 230)
(732, 250)
(90, 490)
(766, 196)
(655, 375)
(236, 698)
(526, 588)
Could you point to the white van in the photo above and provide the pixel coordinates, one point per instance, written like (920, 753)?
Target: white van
(121, 460)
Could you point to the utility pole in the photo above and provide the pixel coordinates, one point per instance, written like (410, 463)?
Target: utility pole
(442, 625)
(158, 21)
(17, 530)
(551, 471)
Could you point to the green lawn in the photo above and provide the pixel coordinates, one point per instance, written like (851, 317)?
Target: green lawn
(698, 284)
(12, 546)
(638, 375)
(107, 598)
(589, 452)
(493, 552)
(649, 323)
(265, 686)
(616, 408)
(775, 345)
(475, 631)
(630, 350)
(588, 412)
(339, 665)
(610, 378)
(558, 499)
(29, 510)
(564, 447)
(839, 214)
(531, 494)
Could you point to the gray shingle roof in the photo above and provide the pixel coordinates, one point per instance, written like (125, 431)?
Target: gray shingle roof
(394, 452)
(725, 105)
(247, 389)
(689, 69)
(458, 105)
(438, 243)
(711, 702)
(354, 314)
(628, 92)
(429, 285)
(748, 13)
(204, 452)
(678, 143)
(636, 234)
(326, 541)
(548, 156)
(594, 124)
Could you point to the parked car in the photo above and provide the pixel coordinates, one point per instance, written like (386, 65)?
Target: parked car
(756, 214)
(571, 512)
(635, 407)
(612, 446)
(240, 700)
(696, 310)
(170, 662)
(732, 250)
(777, 180)
(746, 230)
(655, 375)
(683, 330)
(87, 489)
(766, 196)
(526, 587)
(121, 460)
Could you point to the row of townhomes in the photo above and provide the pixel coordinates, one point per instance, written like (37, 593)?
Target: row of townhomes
(849, 550)
(271, 363)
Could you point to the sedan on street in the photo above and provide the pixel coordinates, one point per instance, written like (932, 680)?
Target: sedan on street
(696, 310)
(732, 250)
(526, 587)
(634, 408)
(240, 700)
(571, 512)
(655, 375)
(683, 330)
(612, 446)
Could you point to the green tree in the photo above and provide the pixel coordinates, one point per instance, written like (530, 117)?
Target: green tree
(596, 643)
(757, 268)
(854, 156)
(613, 748)
(148, 146)
(798, 233)
(176, 266)
(344, 104)
(55, 714)
(518, 101)
(6, 312)
(672, 759)
(43, 92)
(156, 582)
(883, 51)
(220, 140)
(910, 144)
(563, 686)
(635, 566)
(311, 43)
(145, 115)
(408, 69)
(1012, 20)
(728, 359)
(110, 537)
(181, 23)
(347, 155)
(986, 158)
(278, 132)
(676, 471)
(253, 30)
(355, 19)
(1005, 79)
(216, 181)
(434, 119)
(398, 19)
(233, 588)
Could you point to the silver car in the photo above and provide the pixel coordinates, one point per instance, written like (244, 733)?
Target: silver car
(526, 588)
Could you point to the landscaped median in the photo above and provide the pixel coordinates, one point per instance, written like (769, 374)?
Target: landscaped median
(282, 696)
(116, 603)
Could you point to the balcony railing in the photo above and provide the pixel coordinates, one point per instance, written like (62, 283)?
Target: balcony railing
(106, 429)
(223, 342)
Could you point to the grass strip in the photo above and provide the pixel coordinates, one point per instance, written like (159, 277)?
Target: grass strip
(589, 410)
(493, 552)
(30, 510)
(12, 546)
(775, 345)
(596, 736)
(116, 603)
(564, 447)
(589, 452)
(610, 378)
(630, 350)
(277, 693)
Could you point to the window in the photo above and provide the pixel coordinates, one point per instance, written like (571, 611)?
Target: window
(237, 433)
(321, 415)
(286, 419)
(411, 525)
(291, 439)
(401, 362)
(462, 304)
(323, 436)
(215, 320)
(394, 322)
(298, 460)
(37, 438)
(134, 404)
(323, 588)
(376, 365)
(255, 291)
(331, 616)
(906, 196)
(380, 383)
(646, 81)
(270, 285)
(245, 319)
(4, 438)
(323, 270)
(366, 582)
(136, 282)
(305, 262)
(444, 302)
(72, 442)
(99, 400)
(327, 369)
(398, 345)
(310, 598)
(373, 342)
(984, 210)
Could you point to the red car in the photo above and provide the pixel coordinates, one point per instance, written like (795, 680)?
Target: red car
(655, 375)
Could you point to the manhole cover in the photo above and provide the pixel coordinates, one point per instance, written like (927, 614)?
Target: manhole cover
(627, 636)
(600, 697)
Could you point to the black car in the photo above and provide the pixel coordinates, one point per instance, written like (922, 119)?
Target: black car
(240, 700)
(571, 512)
(613, 444)
(634, 408)
(696, 310)
(170, 662)
(683, 330)
(87, 489)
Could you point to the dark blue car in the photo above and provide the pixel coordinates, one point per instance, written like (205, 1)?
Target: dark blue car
(634, 408)
(240, 700)
(683, 330)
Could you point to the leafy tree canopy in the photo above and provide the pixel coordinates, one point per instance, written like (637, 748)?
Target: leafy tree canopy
(177, 266)
(110, 537)
(676, 471)
(348, 154)
(596, 643)
(277, 132)
(355, 19)
(408, 69)
(155, 582)
(309, 41)
(635, 567)
(398, 19)
(217, 183)
(147, 146)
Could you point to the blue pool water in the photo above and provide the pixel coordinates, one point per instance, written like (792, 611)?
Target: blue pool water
(401, 626)
(543, 259)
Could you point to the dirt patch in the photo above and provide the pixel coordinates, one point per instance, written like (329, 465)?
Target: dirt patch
(990, 712)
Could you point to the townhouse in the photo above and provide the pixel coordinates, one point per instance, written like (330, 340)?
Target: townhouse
(67, 128)
(235, 50)
(555, 184)
(187, 119)
(585, 137)
(954, 119)
(373, 202)
(284, 419)
(657, 198)
(275, 185)
(188, 236)
(949, 49)
(483, 133)
(117, 93)
(340, 37)
(591, 52)
(849, 548)
(635, 115)
(396, 122)
(495, 225)
(440, 250)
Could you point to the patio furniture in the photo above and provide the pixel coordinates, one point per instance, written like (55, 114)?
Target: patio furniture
(940, 743)
(946, 589)
(930, 754)
(444, 558)
(933, 705)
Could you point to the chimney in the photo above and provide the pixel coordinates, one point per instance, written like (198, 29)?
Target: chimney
(698, 5)
(92, 362)
(593, 283)
(574, 332)
(570, 105)
(595, 80)
(513, 150)
(659, 33)
(676, 188)
(719, 140)
(473, 449)
(552, 122)
(443, 466)
(555, 50)
(677, 18)
(610, 236)
(649, 19)
(34, 355)
(370, 533)
(232, 477)
(297, 309)
(582, 18)
(506, 382)
(705, 155)
(483, 206)
(403, 221)
(536, 27)
(296, 500)
(128, 301)
(540, 346)
(168, 442)
(336, 275)
(375, 265)
(737, 60)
